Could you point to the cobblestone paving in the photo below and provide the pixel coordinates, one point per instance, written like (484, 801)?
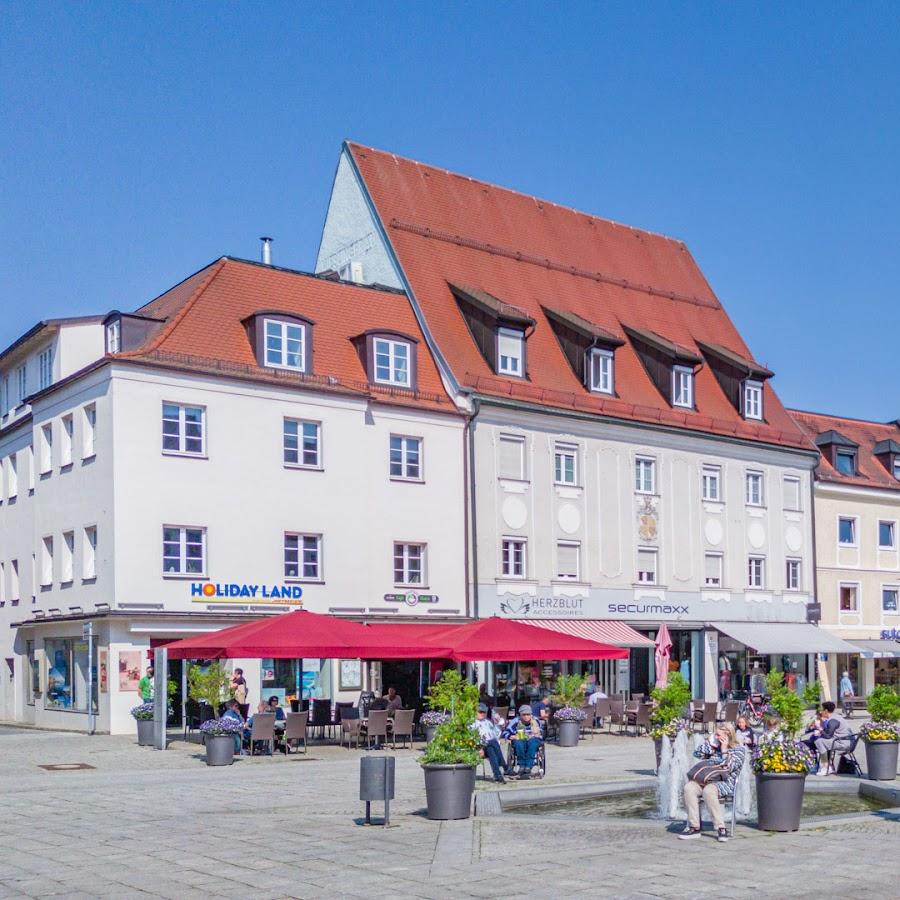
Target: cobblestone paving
(148, 824)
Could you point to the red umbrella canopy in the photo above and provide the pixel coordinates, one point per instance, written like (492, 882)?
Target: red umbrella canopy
(304, 634)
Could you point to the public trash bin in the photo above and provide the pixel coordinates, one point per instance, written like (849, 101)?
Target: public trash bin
(376, 782)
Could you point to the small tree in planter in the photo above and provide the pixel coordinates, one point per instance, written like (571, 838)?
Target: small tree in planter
(882, 734)
(451, 756)
(143, 715)
(569, 694)
(669, 715)
(781, 762)
(209, 685)
(222, 736)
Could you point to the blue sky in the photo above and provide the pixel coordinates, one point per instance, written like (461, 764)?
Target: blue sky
(142, 140)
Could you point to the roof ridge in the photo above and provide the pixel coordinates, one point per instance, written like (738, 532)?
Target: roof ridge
(809, 412)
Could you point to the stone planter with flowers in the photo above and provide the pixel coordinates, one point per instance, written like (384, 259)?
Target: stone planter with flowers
(143, 715)
(569, 696)
(430, 720)
(882, 735)
(221, 737)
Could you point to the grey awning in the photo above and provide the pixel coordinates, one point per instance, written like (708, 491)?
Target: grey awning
(785, 637)
(878, 649)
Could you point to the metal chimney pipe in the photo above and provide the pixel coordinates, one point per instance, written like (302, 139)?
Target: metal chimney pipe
(266, 251)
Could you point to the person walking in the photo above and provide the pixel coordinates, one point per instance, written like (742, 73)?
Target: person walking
(146, 686)
(845, 689)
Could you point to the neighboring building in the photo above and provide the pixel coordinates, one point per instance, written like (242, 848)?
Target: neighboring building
(858, 542)
(253, 439)
(632, 463)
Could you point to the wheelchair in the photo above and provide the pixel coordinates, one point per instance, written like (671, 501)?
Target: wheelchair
(540, 760)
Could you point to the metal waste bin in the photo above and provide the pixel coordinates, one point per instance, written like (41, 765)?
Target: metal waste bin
(376, 782)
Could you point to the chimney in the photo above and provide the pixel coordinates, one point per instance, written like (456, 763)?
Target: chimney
(266, 251)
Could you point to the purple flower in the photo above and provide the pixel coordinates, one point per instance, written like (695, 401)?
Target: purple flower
(228, 725)
(144, 711)
(433, 717)
(570, 714)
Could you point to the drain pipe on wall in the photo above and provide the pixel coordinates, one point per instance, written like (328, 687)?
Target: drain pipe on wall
(470, 507)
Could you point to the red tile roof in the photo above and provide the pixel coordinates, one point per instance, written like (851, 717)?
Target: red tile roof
(871, 471)
(204, 331)
(447, 228)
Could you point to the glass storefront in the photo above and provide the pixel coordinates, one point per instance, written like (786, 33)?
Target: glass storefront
(887, 671)
(293, 679)
(32, 674)
(67, 674)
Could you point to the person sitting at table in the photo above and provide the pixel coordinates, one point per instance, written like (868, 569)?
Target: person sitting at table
(484, 697)
(262, 708)
(393, 701)
(275, 708)
(525, 733)
(232, 711)
(541, 708)
(488, 734)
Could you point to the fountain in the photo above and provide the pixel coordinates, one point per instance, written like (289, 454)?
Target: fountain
(675, 760)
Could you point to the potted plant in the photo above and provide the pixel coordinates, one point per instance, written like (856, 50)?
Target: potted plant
(219, 736)
(430, 721)
(570, 696)
(209, 684)
(143, 715)
(781, 762)
(881, 735)
(450, 758)
(669, 715)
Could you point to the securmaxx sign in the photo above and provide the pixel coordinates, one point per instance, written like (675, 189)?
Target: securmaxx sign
(231, 592)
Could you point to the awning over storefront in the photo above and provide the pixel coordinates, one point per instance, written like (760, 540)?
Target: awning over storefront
(603, 631)
(877, 649)
(785, 637)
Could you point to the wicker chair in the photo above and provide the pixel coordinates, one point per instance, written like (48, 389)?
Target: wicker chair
(295, 730)
(402, 726)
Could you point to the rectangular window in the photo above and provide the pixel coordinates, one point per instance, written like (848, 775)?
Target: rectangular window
(712, 483)
(67, 563)
(847, 532)
(682, 387)
(67, 674)
(753, 400)
(889, 597)
(2, 582)
(510, 352)
(45, 368)
(66, 436)
(21, 384)
(391, 362)
(29, 464)
(88, 429)
(34, 577)
(114, 336)
(513, 561)
(46, 448)
(754, 489)
(303, 556)
(568, 560)
(792, 574)
(13, 477)
(409, 564)
(14, 581)
(646, 565)
(601, 371)
(47, 561)
(712, 572)
(756, 572)
(89, 553)
(184, 550)
(302, 442)
(285, 345)
(406, 457)
(849, 598)
(846, 462)
(5, 398)
(645, 475)
(183, 429)
(512, 457)
(897, 467)
(791, 492)
(885, 531)
(565, 464)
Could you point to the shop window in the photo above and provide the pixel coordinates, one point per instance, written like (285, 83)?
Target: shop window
(712, 576)
(886, 536)
(67, 674)
(646, 565)
(32, 674)
(889, 599)
(302, 443)
(849, 598)
(847, 532)
(512, 457)
(565, 464)
(513, 561)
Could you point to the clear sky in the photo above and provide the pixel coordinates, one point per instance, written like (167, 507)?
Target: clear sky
(142, 140)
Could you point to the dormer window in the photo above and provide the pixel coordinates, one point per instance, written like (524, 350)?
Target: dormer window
(285, 345)
(510, 352)
(740, 378)
(601, 371)
(392, 362)
(845, 462)
(753, 400)
(683, 387)
(897, 467)
(114, 336)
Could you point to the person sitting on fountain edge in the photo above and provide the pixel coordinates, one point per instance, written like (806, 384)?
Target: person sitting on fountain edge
(525, 733)
(488, 732)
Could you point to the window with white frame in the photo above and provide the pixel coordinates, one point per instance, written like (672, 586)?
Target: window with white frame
(114, 336)
(683, 386)
(285, 345)
(512, 563)
(89, 553)
(889, 598)
(791, 486)
(67, 433)
(12, 482)
(392, 362)
(21, 384)
(409, 564)
(45, 368)
(754, 488)
(88, 430)
(302, 443)
(647, 559)
(512, 457)
(568, 560)
(29, 465)
(67, 561)
(711, 478)
(303, 556)
(848, 594)
(406, 457)
(601, 371)
(34, 577)
(565, 464)
(46, 448)
(510, 352)
(184, 550)
(47, 561)
(886, 535)
(792, 574)
(756, 572)
(712, 570)
(183, 429)
(645, 475)
(753, 400)
(847, 531)
(897, 467)
(14, 590)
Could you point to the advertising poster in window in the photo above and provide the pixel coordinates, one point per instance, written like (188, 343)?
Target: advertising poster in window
(350, 675)
(103, 655)
(129, 669)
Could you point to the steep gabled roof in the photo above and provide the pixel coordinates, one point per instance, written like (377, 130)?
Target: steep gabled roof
(529, 253)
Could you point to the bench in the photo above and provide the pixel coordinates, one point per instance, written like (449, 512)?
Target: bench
(850, 704)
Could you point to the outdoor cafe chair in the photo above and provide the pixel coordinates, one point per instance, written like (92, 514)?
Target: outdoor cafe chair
(295, 730)
(339, 710)
(376, 727)
(350, 729)
(402, 726)
(320, 715)
(262, 731)
(617, 714)
(602, 710)
(590, 716)
(706, 715)
(640, 718)
(729, 711)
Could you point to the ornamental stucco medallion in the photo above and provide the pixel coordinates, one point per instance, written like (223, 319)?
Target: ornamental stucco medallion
(569, 518)
(515, 512)
(648, 520)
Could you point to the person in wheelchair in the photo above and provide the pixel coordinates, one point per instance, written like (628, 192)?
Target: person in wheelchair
(525, 734)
